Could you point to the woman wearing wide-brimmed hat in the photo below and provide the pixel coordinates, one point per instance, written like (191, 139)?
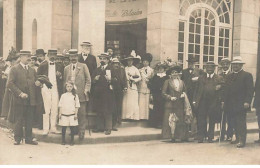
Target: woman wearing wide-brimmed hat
(130, 108)
(177, 112)
(144, 92)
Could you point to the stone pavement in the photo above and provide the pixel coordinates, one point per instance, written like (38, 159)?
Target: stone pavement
(128, 132)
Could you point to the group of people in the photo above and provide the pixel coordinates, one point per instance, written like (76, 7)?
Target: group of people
(59, 90)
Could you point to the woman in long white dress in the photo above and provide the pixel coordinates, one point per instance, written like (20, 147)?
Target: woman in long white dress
(144, 92)
(130, 108)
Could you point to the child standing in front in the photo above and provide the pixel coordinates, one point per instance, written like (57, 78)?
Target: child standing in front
(68, 111)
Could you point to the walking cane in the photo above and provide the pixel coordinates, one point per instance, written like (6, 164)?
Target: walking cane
(221, 125)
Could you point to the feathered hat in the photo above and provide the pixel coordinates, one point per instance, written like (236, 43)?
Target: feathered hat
(133, 56)
(13, 55)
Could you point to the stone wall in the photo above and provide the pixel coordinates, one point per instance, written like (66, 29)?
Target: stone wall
(41, 11)
(246, 18)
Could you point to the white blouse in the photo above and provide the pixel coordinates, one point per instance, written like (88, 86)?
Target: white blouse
(69, 103)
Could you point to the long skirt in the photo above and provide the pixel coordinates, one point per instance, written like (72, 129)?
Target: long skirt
(130, 109)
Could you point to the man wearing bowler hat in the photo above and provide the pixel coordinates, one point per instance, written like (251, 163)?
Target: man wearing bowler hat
(86, 57)
(22, 83)
(239, 92)
(78, 73)
(40, 54)
(54, 72)
(207, 100)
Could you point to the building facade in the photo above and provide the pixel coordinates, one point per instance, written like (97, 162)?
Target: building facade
(207, 29)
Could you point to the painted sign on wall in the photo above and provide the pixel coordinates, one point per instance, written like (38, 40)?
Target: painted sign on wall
(125, 10)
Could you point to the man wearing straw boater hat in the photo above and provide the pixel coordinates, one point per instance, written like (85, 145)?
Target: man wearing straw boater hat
(78, 73)
(238, 96)
(207, 100)
(103, 95)
(22, 83)
(226, 118)
(86, 57)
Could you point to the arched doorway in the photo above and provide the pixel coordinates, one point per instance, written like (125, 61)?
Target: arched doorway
(205, 30)
(34, 35)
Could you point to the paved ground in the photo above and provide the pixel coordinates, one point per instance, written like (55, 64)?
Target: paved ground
(149, 152)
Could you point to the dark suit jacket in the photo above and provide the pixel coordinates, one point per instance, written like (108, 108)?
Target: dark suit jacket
(91, 62)
(44, 70)
(187, 79)
(257, 94)
(200, 88)
(118, 79)
(21, 81)
(239, 90)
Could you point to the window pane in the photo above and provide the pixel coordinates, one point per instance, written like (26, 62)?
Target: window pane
(180, 49)
(197, 28)
(220, 41)
(206, 40)
(220, 51)
(211, 58)
(212, 41)
(211, 51)
(226, 52)
(192, 28)
(206, 50)
(226, 42)
(206, 22)
(197, 40)
(197, 49)
(181, 26)
(227, 33)
(180, 56)
(191, 38)
(198, 21)
(192, 20)
(191, 48)
(212, 31)
(221, 32)
(181, 36)
(205, 59)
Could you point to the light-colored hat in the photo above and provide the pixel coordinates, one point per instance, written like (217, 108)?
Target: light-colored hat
(210, 63)
(85, 43)
(104, 55)
(25, 52)
(115, 60)
(52, 52)
(133, 56)
(237, 60)
(73, 52)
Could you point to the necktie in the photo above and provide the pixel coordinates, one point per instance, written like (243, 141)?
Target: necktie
(146, 71)
(52, 63)
(73, 67)
(103, 68)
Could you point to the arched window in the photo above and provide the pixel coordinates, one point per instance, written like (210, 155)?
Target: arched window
(34, 35)
(205, 30)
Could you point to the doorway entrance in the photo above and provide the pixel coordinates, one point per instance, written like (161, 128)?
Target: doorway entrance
(125, 37)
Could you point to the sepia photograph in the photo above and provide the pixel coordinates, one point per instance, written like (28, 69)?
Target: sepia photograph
(129, 82)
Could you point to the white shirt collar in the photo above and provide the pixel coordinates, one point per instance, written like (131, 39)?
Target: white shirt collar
(226, 72)
(161, 74)
(24, 66)
(238, 71)
(210, 75)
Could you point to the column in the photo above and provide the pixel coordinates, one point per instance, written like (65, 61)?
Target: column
(162, 29)
(92, 24)
(245, 39)
(9, 26)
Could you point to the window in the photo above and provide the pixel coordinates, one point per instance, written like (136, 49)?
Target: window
(204, 30)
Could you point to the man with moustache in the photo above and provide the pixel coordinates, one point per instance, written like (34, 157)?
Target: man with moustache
(54, 71)
(79, 74)
(239, 92)
(207, 100)
(22, 83)
(86, 57)
(40, 54)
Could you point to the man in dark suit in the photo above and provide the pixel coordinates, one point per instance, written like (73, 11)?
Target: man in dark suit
(238, 96)
(207, 99)
(226, 118)
(54, 71)
(22, 83)
(119, 83)
(86, 58)
(257, 103)
(190, 78)
(103, 95)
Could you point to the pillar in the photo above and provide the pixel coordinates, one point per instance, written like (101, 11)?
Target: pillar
(9, 26)
(92, 24)
(162, 29)
(245, 37)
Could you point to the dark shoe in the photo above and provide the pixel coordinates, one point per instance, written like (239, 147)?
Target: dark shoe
(257, 141)
(31, 142)
(72, 143)
(97, 130)
(210, 141)
(108, 132)
(114, 129)
(240, 145)
(17, 143)
(234, 142)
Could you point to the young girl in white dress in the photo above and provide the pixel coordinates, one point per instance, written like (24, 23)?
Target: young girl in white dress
(68, 111)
